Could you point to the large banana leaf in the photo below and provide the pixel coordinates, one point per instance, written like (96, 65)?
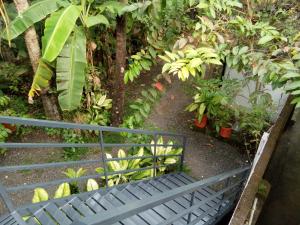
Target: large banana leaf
(32, 15)
(41, 80)
(70, 71)
(58, 28)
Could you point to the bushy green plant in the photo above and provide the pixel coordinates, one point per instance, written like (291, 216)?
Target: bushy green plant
(115, 166)
(214, 97)
(140, 109)
(71, 173)
(72, 136)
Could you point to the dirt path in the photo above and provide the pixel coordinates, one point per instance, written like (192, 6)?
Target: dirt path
(205, 155)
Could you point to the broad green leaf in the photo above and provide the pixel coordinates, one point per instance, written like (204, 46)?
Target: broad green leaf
(293, 85)
(170, 161)
(185, 72)
(40, 195)
(41, 80)
(290, 75)
(166, 59)
(123, 163)
(214, 61)
(135, 162)
(70, 68)
(112, 165)
(166, 67)
(265, 39)
(92, 185)
(63, 191)
(58, 28)
(95, 20)
(196, 62)
(35, 13)
(139, 175)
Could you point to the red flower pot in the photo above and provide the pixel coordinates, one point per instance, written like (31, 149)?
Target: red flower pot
(12, 128)
(159, 86)
(226, 132)
(202, 123)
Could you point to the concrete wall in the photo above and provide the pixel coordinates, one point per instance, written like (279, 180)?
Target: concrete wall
(278, 95)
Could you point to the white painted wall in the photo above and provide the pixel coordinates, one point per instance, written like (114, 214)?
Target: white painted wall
(278, 95)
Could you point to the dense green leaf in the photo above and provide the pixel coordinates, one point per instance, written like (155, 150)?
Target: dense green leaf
(57, 31)
(41, 80)
(95, 20)
(265, 39)
(32, 15)
(70, 68)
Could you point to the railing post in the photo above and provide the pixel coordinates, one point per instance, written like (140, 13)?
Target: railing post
(183, 152)
(103, 157)
(222, 197)
(6, 198)
(154, 155)
(239, 191)
(191, 204)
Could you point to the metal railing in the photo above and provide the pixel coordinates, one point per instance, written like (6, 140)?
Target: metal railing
(229, 193)
(4, 191)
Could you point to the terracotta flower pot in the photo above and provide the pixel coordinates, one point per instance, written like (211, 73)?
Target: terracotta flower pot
(159, 86)
(11, 127)
(226, 132)
(202, 123)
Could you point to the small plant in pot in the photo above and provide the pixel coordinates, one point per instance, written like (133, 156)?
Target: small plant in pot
(204, 100)
(224, 120)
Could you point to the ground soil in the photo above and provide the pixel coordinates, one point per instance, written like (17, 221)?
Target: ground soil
(205, 155)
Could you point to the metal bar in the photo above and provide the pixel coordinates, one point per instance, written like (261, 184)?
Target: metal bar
(103, 157)
(7, 201)
(54, 182)
(222, 197)
(136, 170)
(125, 211)
(195, 207)
(154, 156)
(65, 125)
(142, 157)
(71, 163)
(139, 145)
(191, 204)
(46, 165)
(76, 145)
(196, 220)
(183, 153)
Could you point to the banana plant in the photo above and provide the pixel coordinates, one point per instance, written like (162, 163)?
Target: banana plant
(63, 46)
(115, 166)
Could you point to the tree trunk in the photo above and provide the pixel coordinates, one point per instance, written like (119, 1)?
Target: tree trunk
(118, 86)
(34, 52)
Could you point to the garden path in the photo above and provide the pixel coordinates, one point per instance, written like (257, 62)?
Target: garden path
(205, 155)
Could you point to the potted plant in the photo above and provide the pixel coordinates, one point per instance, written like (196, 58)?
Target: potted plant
(224, 119)
(203, 101)
(252, 123)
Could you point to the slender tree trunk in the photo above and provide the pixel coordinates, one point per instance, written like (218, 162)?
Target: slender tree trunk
(118, 86)
(34, 52)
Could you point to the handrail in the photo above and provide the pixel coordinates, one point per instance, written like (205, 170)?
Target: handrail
(68, 125)
(101, 145)
(123, 212)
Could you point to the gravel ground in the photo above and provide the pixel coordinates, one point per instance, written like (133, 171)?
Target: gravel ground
(205, 155)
